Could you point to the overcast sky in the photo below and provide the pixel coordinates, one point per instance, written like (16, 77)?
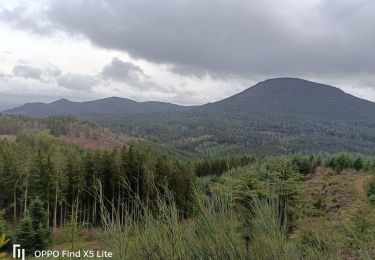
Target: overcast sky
(180, 51)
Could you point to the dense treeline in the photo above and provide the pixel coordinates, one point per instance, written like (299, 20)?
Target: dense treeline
(305, 164)
(221, 165)
(338, 162)
(64, 177)
(250, 131)
(344, 161)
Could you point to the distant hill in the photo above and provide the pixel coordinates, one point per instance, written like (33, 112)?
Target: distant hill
(112, 105)
(292, 96)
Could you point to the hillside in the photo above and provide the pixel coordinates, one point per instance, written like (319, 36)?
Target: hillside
(295, 97)
(112, 105)
(64, 128)
(299, 115)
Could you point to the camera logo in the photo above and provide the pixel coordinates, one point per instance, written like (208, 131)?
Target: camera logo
(18, 252)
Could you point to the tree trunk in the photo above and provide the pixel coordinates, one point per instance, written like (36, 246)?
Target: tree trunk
(61, 214)
(65, 213)
(48, 215)
(21, 208)
(26, 189)
(94, 212)
(113, 208)
(15, 206)
(26, 185)
(55, 211)
(88, 212)
(84, 212)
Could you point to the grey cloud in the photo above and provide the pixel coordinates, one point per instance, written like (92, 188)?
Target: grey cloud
(189, 70)
(52, 71)
(26, 71)
(122, 71)
(258, 37)
(132, 75)
(47, 73)
(25, 19)
(77, 81)
(136, 79)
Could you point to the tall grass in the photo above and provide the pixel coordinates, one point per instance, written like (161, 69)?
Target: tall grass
(232, 222)
(219, 230)
(268, 229)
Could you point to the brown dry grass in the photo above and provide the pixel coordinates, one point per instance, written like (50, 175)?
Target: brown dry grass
(331, 195)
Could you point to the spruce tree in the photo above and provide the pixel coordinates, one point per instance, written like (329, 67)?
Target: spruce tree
(358, 164)
(33, 233)
(25, 235)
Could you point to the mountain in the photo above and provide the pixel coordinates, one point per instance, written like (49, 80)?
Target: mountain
(295, 97)
(112, 105)
(296, 114)
(299, 115)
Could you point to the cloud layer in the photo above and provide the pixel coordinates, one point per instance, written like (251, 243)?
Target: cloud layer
(257, 37)
(76, 81)
(121, 71)
(210, 43)
(26, 71)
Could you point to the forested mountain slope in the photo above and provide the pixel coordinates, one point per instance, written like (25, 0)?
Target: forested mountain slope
(300, 115)
(293, 97)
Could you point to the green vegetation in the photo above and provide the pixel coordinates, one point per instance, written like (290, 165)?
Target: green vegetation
(3, 242)
(371, 190)
(60, 173)
(33, 233)
(254, 212)
(219, 166)
(148, 201)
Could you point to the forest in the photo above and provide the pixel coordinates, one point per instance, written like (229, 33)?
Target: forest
(250, 132)
(63, 177)
(143, 200)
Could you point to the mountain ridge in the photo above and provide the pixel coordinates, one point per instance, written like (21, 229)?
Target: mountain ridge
(110, 105)
(286, 95)
(308, 116)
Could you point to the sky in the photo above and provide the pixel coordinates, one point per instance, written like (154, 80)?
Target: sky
(181, 51)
